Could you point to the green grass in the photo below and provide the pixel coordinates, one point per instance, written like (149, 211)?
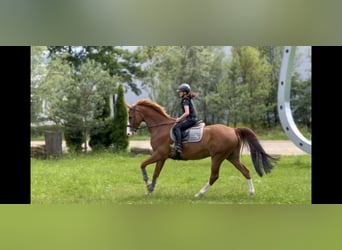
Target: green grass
(116, 179)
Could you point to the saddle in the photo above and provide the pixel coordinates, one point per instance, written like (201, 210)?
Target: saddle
(192, 134)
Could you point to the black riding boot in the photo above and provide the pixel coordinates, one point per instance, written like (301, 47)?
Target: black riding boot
(178, 141)
(179, 148)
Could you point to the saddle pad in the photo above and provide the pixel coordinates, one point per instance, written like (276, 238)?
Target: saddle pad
(193, 134)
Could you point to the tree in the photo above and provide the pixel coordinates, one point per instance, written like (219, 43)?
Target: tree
(38, 72)
(119, 134)
(246, 87)
(169, 66)
(301, 100)
(273, 55)
(301, 90)
(118, 62)
(76, 97)
(255, 86)
(54, 88)
(100, 133)
(227, 95)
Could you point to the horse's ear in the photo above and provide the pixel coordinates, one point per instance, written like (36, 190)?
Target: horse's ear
(128, 106)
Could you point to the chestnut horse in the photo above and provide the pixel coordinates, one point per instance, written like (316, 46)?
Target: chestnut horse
(219, 142)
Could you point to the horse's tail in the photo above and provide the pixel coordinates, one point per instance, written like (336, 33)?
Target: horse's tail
(261, 160)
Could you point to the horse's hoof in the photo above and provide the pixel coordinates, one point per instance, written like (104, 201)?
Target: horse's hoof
(150, 188)
(149, 191)
(198, 195)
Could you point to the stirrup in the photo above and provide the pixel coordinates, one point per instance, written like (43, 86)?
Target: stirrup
(176, 148)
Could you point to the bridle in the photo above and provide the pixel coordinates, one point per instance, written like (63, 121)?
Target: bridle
(135, 128)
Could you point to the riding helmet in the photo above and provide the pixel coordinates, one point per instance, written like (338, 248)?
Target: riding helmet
(184, 87)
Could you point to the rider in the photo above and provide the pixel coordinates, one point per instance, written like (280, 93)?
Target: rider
(189, 116)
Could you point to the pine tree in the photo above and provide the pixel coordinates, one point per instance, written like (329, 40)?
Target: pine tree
(101, 132)
(119, 135)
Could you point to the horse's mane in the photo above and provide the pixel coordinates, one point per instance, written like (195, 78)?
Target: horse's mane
(154, 106)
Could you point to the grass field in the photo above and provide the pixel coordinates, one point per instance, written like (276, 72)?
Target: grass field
(107, 178)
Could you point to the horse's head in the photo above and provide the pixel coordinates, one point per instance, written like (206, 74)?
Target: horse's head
(135, 117)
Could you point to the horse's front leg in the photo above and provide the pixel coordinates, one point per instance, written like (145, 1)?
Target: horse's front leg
(157, 170)
(154, 158)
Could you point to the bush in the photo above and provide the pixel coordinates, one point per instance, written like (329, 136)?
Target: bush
(74, 139)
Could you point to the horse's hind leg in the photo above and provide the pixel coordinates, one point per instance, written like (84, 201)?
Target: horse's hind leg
(235, 160)
(215, 170)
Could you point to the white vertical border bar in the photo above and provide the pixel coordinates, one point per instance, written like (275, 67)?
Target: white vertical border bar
(284, 108)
